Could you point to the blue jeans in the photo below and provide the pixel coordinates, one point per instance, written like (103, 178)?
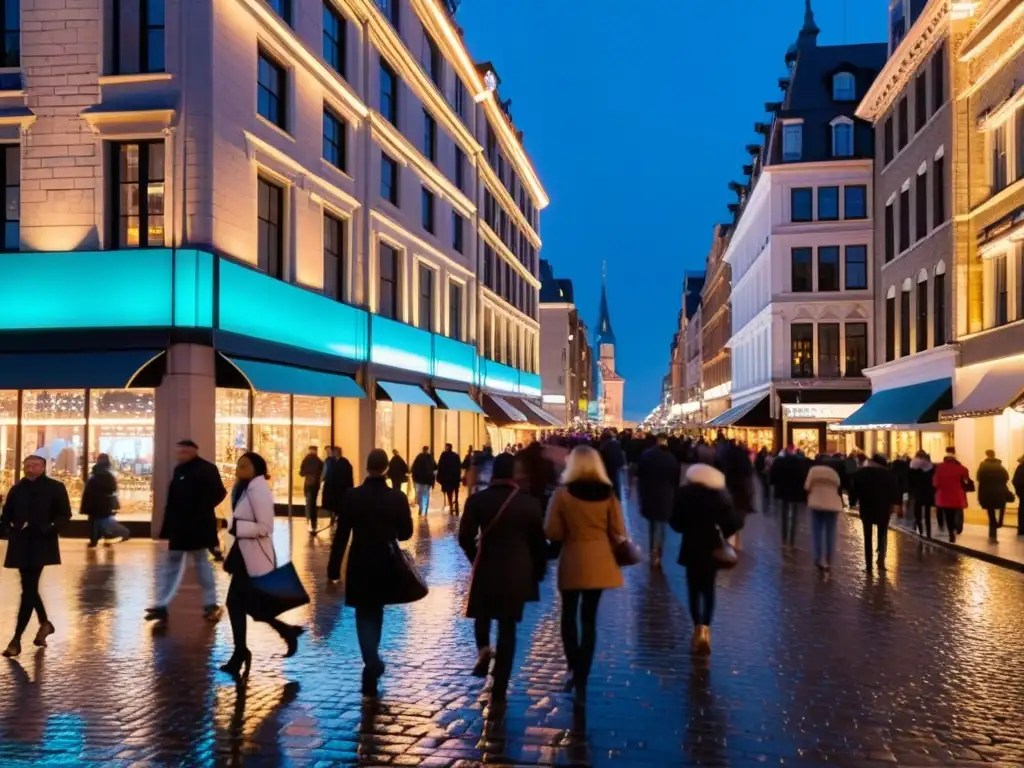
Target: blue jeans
(174, 570)
(657, 536)
(423, 497)
(106, 528)
(823, 527)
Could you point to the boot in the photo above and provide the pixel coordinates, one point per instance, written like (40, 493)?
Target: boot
(695, 641)
(483, 662)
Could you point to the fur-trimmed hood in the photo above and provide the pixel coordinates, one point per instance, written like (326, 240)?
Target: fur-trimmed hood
(922, 464)
(707, 476)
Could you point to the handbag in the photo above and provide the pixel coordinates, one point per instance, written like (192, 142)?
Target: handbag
(1010, 498)
(724, 554)
(624, 549)
(404, 583)
(968, 485)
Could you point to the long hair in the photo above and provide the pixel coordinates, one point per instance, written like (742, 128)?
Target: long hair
(259, 466)
(584, 463)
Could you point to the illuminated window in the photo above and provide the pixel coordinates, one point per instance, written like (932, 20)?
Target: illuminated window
(1000, 290)
(270, 227)
(231, 436)
(334, 38)
(53, 428)
(271, 437)
(271, 90)
(8, 439)
(311, 425)
(138, 194)
(844, 87)
(334, 139)
(10, 171)
(122, 425)
(802, 350)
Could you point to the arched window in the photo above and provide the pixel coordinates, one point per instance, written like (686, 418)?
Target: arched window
(939, 305)
(905, 317)
(842, 137)
(890, 324)
(844, 87)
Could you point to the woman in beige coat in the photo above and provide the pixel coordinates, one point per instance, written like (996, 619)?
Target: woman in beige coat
(586, 518)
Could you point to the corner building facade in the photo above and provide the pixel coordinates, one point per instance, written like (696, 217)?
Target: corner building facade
(258, 225)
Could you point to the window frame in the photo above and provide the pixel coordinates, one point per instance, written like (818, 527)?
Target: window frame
(844, 87)
(340, 225)
(998, 158)
(429, 136)
(921, 206)
(280, 99)
(843, 128)
(338, 44)
(425, 295)
(5, 168)
(458, 232)
(1000, 289)
(388, 77)
(340, 146)
(792, 134)
(793, 194)
(386, 250)
(905, 322)
(847, 189)
(857, 369)
(793, 267)
(428, 210)
(939, 308)
(821, 351)
(830, 250)
(455, 289)
(274, 269)
(143, 182)
(386, 161)
(821, 196)
(847, 262)
(922, 315)
(799, 369)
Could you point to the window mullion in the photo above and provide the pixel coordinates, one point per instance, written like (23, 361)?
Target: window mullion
(143, 194)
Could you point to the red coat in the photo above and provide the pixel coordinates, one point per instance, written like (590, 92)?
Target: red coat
(949, 484)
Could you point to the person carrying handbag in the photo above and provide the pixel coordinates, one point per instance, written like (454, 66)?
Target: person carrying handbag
(252, 556)
(502, 534)
(952, 483)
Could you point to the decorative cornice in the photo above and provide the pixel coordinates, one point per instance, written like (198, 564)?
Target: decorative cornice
(930, 27)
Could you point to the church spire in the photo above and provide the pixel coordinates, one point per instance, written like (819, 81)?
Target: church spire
(605, 334)
(809, 32)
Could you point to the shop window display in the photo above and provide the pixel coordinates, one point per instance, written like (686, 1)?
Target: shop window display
(386, 426)
(53, 427)
(231, 425)
(8, 438)
(311, 425)
(806, 440)
(271, 438)
(121, 425)
(904, 444)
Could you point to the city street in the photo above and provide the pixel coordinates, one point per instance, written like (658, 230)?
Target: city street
(917, 667)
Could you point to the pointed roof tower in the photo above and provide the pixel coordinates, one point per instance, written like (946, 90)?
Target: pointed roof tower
(809, 32)
(605, 334)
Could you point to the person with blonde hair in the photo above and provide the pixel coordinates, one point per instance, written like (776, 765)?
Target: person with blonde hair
(585, 517)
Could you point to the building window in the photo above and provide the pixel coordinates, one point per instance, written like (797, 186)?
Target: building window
(457, 232)
(920, 101)
(792, 142)
(939, 191)
(828, 203)
(844, 87)
(10, 55)
(270, 218)
(138, 185)
(890, 328)
(828, 268)
(271, 91)
(856, 348)
(488, 334)
(888, 140)
(455, 311)
(389, 178)
(489, 267)
(856, 267)
(334, 139)
(938, 77)
(922, 315)
(137, 32)
(429, 137)
(921, 206)
(282, 8)
(801, 258)
(10, 157)
(997, 139)
(460, 167)
(460, 98)
(902, 129)
(1001, 290)
(334, 38)
(427, 210)
(904, 220)
(802, 350)
(334, 257)
(890, 233)
(435, 64)
(842, 139)
(390, 10)
(388, 93)
(801, 201)
(426, 303)
(939, 308)
(828, 350)
(905, 322)
(855, 201)
(387, 282)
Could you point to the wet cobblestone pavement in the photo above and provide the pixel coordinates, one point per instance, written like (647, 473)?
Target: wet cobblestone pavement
(919, 667)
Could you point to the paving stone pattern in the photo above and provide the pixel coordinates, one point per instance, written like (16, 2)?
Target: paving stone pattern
(921, 666)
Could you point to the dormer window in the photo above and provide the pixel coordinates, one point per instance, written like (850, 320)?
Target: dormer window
(792, 142)
(842, 137)
(844, 87)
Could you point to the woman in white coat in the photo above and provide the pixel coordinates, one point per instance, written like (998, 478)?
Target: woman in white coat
(252, 555)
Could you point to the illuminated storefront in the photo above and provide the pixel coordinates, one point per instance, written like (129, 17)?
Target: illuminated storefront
(749, 423)
(807, 427)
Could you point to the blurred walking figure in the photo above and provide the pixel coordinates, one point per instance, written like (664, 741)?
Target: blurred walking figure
(449, 477)
(586, 518)
(535, 473)
(993, 492)
(614, 461)
(788, 473)
(1018, 487)
(398, 471)
(190, 528)
(657, 480)
(424, 471)
(338, 479)
(479, 475)
(922, 493)
(252, 555)
(502, 534)
(311, 470)
(877, 492)
(375, 516)
(825, 500)
(36, 507)
(952, 482)
(704, 514)
(100, 504)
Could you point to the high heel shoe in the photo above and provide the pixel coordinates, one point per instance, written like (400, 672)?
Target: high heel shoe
(291, 638)
(238, 660)
(13, 649)
(45, 630)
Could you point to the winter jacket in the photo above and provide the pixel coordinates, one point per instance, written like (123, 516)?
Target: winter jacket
(32, 516)
(374, 516)
(190, 520)
(449, 471)
(338, 480)
(99, 497)
(919, 482)
(398, 471)
(703, 513)
(788, 473)
(739, 478)
(311, 470)
(1018, 480)
(252, 521)
(876, 491)
(423, 469)
(949, 484)
(823, 487)
(657, 479)
(586, 517)
(510, 559)
(614, 462)
(993, 488)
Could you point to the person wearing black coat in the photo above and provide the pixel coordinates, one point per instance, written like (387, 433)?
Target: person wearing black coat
(788, 476)
(99, 503)
(449, 477)
(424, 475)
(190, 528)
(922, 493)
(376, 517)
(502, 534)
(35, 509)
(339, 478)
(1018, 487)
(398, 471)
(877, 494)
(614, 461)
(993, 491)
(657, 480)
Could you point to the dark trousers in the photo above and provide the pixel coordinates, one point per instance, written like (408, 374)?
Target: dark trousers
(700, 588)
(923, 518)
(369, 626)
(788, 513)
(883, 541)
(954, 520)
(579, 630)
(106, 528)
(505, 651)
(30, 600)
(451, 498)
(237, 602)
(311, 494)
(995, 520)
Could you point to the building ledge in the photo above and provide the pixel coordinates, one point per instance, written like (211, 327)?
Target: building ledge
(128, 123)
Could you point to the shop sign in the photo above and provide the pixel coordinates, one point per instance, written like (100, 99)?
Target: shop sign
(819, 412)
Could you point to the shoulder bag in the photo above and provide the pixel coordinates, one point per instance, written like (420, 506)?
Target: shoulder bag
(490, 527)
(624, 549)
(724, 554)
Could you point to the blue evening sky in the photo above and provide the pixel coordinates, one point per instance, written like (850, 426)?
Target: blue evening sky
(636, 116)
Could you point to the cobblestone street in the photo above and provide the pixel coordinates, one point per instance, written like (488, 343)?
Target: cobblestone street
(917, 667)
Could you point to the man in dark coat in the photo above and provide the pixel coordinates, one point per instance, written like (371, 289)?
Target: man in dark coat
(993, 491)
(398, 470)
(657, 480)
(424, 470)
(922, 493)
(449, 477)
(339, 478)
(876, 492)
(311, 470)
(614, 461)
(35, 509)
(190, 527)
(99, 503)
(1018, 487)
(502, 534)
(788, 475)
(375, 516)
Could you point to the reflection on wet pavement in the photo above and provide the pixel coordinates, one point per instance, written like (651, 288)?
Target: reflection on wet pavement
(917, 667)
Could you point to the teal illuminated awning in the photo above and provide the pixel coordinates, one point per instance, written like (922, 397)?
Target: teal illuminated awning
(903, 406)
(288, 380)
(409, 394)
(73, 370)
(457, 401)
